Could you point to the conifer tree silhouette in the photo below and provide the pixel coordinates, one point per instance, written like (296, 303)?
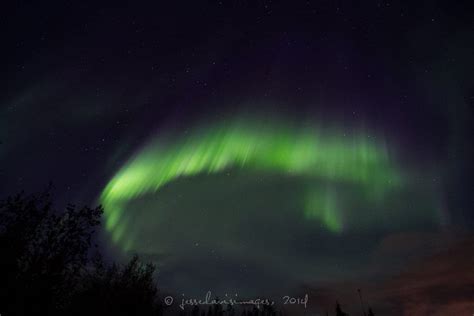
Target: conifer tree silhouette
(371, 313)
(339, 311)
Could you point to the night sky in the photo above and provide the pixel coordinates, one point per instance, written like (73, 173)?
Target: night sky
(257, 147)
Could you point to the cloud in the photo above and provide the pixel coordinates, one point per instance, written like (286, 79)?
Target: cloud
(441, 284)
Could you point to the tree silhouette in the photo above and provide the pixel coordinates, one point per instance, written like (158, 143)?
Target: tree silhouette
(47, 268)
(44, 252)
(117, 290)
(339, 311)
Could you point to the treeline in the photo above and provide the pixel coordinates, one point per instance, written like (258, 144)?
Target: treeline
(218, 310)
(49, 265)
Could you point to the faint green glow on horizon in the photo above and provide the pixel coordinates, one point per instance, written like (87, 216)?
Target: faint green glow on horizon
(328, 154)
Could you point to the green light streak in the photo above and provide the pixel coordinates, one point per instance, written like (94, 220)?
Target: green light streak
(253, 145)
(324, 207)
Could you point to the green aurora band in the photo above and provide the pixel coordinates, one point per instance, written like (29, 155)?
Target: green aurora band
(327, 154)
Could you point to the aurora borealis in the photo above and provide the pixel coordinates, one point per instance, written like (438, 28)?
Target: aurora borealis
(249, 144)
(257, 147)
(271, 148)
